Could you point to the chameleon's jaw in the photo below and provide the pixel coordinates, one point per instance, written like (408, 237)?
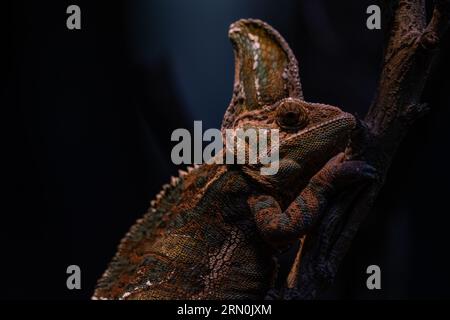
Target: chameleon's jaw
(319, 142)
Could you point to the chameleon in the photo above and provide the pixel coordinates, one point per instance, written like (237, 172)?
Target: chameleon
(214, 232)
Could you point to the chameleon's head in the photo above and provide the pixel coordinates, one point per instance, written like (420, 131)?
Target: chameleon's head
(268, 95)
(309, 134)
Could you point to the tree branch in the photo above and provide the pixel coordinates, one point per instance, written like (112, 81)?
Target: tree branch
(408, 57)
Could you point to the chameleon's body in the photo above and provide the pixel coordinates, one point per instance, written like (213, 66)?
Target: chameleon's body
(213, 232)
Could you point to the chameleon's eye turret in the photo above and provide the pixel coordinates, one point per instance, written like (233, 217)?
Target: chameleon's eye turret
(291, 115)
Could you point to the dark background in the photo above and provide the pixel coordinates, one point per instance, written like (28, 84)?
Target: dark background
(87, 116)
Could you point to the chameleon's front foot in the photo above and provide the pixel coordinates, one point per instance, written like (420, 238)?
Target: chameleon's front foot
(280, 227)
(340, 173)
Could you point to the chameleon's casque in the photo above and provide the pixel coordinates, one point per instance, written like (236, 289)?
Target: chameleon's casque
(213, 232)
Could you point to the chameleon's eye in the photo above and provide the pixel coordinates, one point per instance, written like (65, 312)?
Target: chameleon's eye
(291, 115)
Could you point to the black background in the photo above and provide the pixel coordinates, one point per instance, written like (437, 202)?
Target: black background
(87, 116)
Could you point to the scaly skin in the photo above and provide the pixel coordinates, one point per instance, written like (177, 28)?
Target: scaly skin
(214, 231)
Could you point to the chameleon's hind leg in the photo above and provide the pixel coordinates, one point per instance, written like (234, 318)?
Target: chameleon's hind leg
(284, 227)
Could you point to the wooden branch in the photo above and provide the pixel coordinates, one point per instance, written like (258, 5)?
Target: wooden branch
(411, 47)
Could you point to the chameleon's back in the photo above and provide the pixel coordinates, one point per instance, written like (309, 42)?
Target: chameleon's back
(198, 241)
